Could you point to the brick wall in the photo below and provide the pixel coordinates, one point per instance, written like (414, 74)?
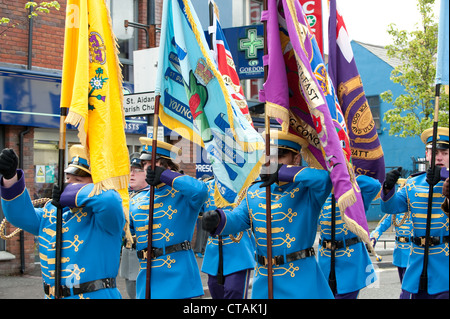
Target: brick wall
(143, 20)
(48, 36)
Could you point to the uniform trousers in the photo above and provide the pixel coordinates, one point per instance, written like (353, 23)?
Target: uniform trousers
(349, 295)
(235, 285)
(425, 295)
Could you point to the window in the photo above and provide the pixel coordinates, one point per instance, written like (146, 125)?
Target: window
(374, 103)
(45, 167)
(127, 38)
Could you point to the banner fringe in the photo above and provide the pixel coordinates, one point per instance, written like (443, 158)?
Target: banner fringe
(220, 201)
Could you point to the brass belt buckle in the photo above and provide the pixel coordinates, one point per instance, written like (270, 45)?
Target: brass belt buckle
(266, 261)
(51, 291)
(423, 241)
(328, 244)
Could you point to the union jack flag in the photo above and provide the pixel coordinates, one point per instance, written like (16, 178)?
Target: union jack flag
(225, 64)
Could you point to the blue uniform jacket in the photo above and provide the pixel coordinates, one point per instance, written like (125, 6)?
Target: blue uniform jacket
(413, 197)
(353, 267)
(237, 254)
(296, 203)
(403, 237)
(91, 239)
(177, 205)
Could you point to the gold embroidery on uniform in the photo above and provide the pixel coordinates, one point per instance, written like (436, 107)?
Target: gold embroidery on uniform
(76, 243)
(158, 262)
(274, 230)
(49, 232)
(169, 212)
(49, 214)
(75, 272)
(277, 271)
(169, 192)
(167, 234)
(436, 250)
(79, 213)
(257, 193)
(287, 240)
(338, 252)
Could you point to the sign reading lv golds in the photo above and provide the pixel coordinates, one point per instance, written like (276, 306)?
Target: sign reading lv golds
(139, 104)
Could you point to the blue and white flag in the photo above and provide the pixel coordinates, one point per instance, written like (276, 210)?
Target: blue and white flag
(195, 103)
(443, 44)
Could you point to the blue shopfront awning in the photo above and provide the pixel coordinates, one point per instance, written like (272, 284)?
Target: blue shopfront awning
(31, 98)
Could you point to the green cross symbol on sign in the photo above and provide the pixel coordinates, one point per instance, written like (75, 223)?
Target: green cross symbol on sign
(251, 44)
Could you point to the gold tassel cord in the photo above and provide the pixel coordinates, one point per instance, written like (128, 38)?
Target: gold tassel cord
(2, 231)
(36, 202)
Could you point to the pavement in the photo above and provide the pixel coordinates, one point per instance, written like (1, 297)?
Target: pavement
(29, 285)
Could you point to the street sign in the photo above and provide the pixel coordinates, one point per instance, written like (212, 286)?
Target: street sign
(139, 104)
(160, 136)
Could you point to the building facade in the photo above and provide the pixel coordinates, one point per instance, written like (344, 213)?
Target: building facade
(31, 52)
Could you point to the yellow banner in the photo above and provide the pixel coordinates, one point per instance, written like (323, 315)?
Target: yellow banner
(92, 91)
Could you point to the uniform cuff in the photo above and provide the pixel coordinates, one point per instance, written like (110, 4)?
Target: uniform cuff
(287, 173)
(69, 195)
(386, 197)
(222, 223)
(168, 176)
(9, 193)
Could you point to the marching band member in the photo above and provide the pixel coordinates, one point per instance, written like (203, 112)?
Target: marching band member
(236, 253)
(297, 195)
(92, 228)
(129, 264)
(353, 267)
(177, 203)
(403, 237)
(412, 197)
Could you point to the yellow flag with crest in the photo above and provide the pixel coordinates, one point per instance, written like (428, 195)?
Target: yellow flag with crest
(93, 94)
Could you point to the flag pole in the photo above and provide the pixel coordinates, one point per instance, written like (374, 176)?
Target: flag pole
(268, 188)
(423, 284)
(151, 203)
(61, 163)
(332, 275)
(220, 278)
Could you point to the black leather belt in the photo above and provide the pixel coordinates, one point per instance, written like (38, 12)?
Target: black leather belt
(83, 288)
(402, 239)
(339, 243)
(157, 252)
(432, 241)
(279, 260)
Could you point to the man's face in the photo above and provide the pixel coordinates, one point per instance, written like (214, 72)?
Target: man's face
(288, 158)
(441, 157)
(137, 178)
(74, 179)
